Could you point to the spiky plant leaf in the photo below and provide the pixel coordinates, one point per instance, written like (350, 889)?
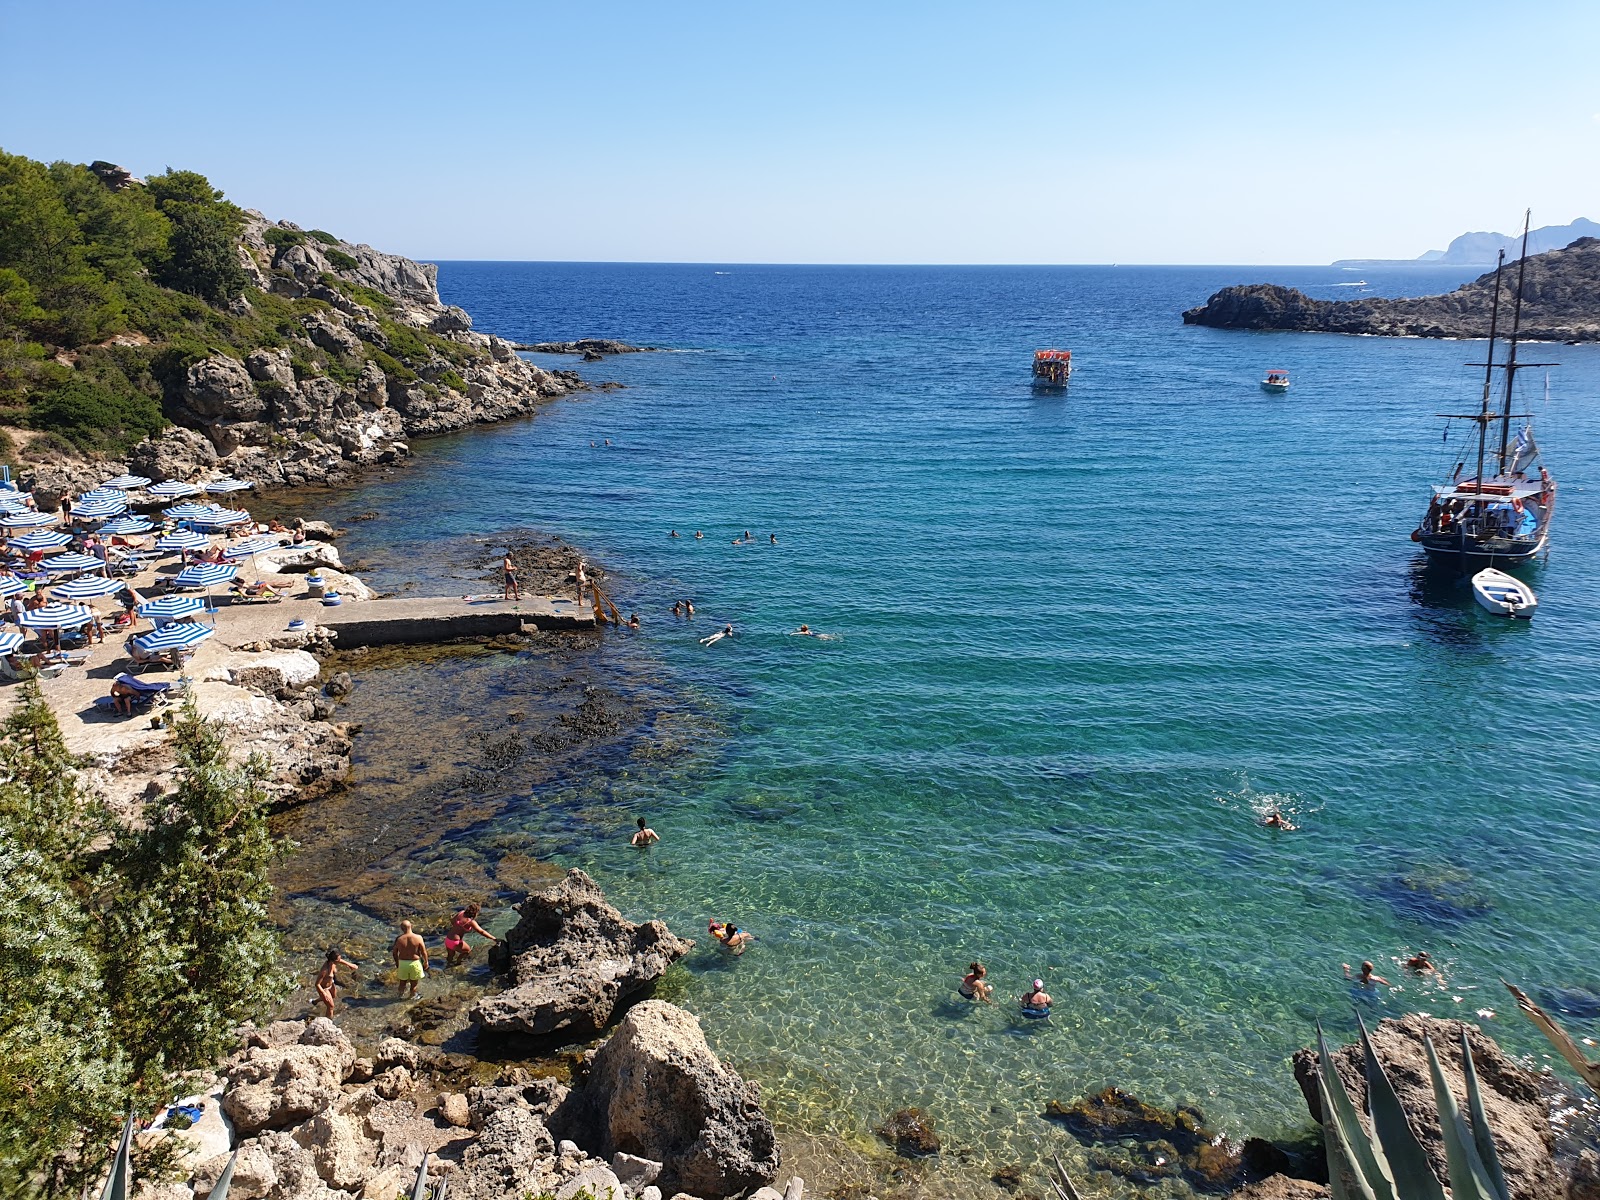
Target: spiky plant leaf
(1365, 1155)
(219, 1190)
(121, 1168)
(1413, 1177)
(1588, 1071)
(1469, 1180)
(1487, 1154)
(444, 1186)
(419, 1190)
(1342, 1164)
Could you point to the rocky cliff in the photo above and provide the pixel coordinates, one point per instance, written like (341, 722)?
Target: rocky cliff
(359, 356)
(1560, 302)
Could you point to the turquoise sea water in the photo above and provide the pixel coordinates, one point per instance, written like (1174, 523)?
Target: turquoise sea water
(1080, 644)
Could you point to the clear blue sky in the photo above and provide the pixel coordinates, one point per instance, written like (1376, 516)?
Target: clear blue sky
(1278, 132)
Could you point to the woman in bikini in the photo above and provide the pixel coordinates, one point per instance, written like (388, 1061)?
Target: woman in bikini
(972, 985)
(456, 947)
(328, 980)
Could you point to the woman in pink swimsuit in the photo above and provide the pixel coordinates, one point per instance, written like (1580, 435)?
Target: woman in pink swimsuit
(456, 947)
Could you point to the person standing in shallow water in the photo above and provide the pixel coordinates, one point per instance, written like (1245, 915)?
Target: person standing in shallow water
(972, 985)
(456, 946)
(328, 981)
(645, 835)
(410, 954)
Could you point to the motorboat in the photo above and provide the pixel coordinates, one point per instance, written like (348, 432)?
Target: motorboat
(1504, 595)
(1051, 369)
(1276, 381)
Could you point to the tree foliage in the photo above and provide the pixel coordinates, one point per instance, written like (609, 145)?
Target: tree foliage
(127, 956)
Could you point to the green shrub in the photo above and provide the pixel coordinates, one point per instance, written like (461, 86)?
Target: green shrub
(345, 262)
(450, 379)
(93, 417)
(323, 236)
(275, 236)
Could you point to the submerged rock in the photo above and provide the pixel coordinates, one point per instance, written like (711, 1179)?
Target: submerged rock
(575, 960)
(656, 1091)
(1147, 1144)
(910, 1132)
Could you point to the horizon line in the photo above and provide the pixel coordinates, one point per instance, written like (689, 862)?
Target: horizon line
(668, 262)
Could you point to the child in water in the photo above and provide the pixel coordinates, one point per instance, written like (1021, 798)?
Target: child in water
(972, 985)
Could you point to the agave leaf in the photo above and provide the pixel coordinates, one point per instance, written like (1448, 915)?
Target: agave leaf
(1468, 1178)
(1366, 1157)
(1342, 1163)
(1064, 1188)
(1588, 1071)
(419, 1190)
(1413, 1177)
(121, 1168)
(219, 1190)
(1487, 1154)
(444, 1186)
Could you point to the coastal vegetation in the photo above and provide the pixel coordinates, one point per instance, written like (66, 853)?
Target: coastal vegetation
(130, 954)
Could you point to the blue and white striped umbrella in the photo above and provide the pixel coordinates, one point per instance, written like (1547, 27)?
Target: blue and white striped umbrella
(40, 539)
(205, 575)
(104, 492)
(218, 486)
(251, 546)
(98, 510)
(11, 498)
(191, 509)
(28, 519)
(10, 585)
(57, 616)
(72, 562)
(170, 608)
(222, 517)
(172, 488)
(126, 525)
(10, 639)
(183, 539)
(179, 635)
(87, 587)
(126, 481)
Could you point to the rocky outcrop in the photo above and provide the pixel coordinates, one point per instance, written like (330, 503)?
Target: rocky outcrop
(598, 347)
(656, 1091)
(1561, 302)
(1512, 1098)
(1147, 1144)
(574, 960)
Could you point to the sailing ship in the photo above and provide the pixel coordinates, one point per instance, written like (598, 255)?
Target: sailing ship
(1500, 513)
(1052, 368)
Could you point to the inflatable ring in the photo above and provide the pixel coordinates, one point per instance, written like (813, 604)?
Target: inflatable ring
(1036, 1014)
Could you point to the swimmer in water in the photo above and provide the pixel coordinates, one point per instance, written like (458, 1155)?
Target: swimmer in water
(1366, 979)
(972, 985)
(1421, 963)
(677, 608)
(698, 535)
(773, 538)
(674, 533)
(645, 836)
(725, 631)
(804, 631)
(633, 620)
(1276, 820)
(1038, 1000)
(688, 608)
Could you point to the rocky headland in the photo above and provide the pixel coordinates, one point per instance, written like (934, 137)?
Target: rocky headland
(590, 349)
(1560, 303)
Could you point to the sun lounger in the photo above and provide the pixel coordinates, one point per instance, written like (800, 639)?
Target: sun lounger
(147, 694)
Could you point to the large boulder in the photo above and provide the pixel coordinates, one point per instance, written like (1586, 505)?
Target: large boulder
(1512, 1100)
(343, 1155)
(175, 453)
(574, 960)
(513, 1156)
(220, 387)
(276, 1088)
(656, 1091)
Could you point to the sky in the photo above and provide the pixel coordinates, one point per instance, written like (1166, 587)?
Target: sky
(1002, 132)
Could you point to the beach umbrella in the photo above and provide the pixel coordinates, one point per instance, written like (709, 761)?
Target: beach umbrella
(10, 585)
(57, 616)
(206, 575)
(87, 587)
(251, 546)
(189, 510)
(10, 639)
(172, 488)
(219, 486)
(104, 493)
(126, 481)
(72, 562)
(170, 608)
(121, 526)
(179, 635)
(11, 498)
(28, 519)
(40, 539)
(183, 539)
(98, 510)
(222, 517)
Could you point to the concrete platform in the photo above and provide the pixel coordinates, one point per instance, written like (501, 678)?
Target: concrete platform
(438, 619)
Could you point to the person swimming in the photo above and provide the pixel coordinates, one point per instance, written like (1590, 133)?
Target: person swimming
(645, 836)
(972, 986)
(804, 631)
(1035, 1003)
(1421, 963)
(725, 631)
(1366, 979)
(731, 936)
(1276, 820)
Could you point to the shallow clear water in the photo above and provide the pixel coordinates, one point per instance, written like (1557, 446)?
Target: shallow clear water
(1081, 644)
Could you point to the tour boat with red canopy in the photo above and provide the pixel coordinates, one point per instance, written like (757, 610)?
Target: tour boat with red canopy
(1051, 368)
(1276, 381)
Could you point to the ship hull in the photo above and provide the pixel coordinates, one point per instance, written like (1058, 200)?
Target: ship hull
(1449, 550)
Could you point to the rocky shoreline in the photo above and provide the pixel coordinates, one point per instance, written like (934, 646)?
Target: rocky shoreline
(1561, 303)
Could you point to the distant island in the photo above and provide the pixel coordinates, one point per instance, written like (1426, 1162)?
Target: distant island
(1561, 303)
(1480, 249)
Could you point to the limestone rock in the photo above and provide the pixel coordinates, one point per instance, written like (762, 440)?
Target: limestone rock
(574, 959)
(596, 1181)
(397, 1052)
(1511, 1096)
(220, 387)
(393, 1083)
(278, 1088)
(298, 560)
(453, 1109)
(1282, 1187)
(635, 1172)
(175, 453)
(270, 366)
(343, 1156)
(451, 320)
(282, 670)
(254, 1174)
(655, 1090)
(513, 1156)
(275, 1034)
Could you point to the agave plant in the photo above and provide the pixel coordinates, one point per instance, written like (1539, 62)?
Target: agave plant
(1389, 1163)
(120, 1180)
(1588, 1071)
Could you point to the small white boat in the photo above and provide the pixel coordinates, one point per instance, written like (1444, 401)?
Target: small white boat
(1276, 381)
(1503, 595)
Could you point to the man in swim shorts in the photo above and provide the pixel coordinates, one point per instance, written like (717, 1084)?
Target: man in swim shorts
(410, 954)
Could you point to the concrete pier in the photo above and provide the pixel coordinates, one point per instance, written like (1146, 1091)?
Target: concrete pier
(438, 619)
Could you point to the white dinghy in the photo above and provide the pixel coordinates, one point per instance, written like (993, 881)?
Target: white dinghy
(1503, 595)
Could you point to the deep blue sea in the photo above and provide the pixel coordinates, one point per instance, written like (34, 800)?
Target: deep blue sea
(1079, 645)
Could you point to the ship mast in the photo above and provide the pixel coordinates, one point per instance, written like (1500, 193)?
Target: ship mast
(1511, 349)
(1488, 370)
